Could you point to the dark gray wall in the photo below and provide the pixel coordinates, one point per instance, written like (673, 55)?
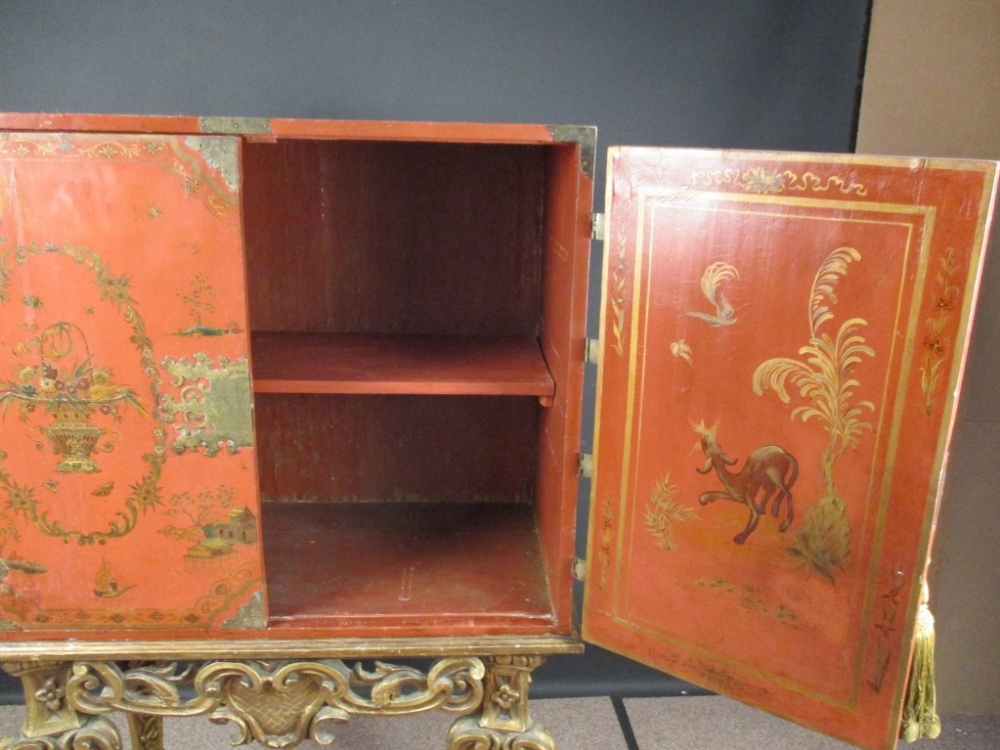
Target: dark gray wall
(739, 73)
(766, 74)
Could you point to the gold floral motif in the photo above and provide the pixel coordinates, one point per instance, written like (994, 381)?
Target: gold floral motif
(757, 180)
(937, 341)
(101, 392)
(664, 511)
(51, 693)
(887, 610)
(70, 392)
(617, 287)
(752, 599)
(210, 181)
(607, 537)
(506, 696)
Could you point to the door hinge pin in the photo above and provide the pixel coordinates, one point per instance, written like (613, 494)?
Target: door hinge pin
(597, 226)
(579, 569)
(586, 465)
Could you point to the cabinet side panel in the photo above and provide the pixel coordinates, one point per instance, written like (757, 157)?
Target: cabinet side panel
(569, 194)
(127, 467)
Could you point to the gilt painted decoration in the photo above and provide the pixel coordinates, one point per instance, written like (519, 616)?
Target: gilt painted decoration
(782, 345)
(120, 257)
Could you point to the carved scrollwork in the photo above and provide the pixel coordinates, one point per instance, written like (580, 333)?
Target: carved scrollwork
(454, 685)
(96, 733)
(277, 703)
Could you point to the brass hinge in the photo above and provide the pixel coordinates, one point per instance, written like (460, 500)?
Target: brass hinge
(592, 355)
(586, 465)
(579, 569)
(597, 226)
(235, 125)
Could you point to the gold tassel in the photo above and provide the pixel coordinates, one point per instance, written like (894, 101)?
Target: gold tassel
(920, 717)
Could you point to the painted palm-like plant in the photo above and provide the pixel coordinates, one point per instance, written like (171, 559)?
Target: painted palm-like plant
(824, 378)
(664, 511)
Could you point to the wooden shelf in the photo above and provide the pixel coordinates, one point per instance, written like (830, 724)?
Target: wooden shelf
(399, 364)
(422, 567)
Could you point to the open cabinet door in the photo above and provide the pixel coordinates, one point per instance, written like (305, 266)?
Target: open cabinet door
(128, 493)
(782, 344)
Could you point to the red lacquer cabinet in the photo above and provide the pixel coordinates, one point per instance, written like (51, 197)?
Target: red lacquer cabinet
(277, 393)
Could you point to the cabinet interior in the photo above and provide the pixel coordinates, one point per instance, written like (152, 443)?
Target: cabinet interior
(403, 398)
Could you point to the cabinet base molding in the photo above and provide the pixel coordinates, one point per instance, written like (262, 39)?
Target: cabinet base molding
(276, 703)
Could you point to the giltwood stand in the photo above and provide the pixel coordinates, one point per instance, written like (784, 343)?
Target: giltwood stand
(276, 702)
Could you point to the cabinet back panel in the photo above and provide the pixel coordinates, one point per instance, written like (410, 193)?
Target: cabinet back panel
(383, 237)
(409, 448)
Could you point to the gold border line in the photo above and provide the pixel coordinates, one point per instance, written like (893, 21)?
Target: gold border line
(976, 263)
(857, 206)
(628, 434)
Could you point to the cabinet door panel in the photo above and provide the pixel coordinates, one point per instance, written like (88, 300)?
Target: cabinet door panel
(128, 492)
(783, 337)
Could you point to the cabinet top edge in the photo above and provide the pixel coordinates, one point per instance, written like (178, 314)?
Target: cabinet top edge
(469, 132)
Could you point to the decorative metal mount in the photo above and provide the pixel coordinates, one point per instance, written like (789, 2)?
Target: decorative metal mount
(275, 703)
(213, 404)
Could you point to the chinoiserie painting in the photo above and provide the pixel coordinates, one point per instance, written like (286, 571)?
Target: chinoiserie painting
(782, 340)
(122, 316)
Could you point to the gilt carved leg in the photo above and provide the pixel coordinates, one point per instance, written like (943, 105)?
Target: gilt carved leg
(503, 721)
(146, 731)
(50, 723)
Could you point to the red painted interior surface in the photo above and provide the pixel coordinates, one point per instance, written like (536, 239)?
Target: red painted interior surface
(387, 363)
(472, 567)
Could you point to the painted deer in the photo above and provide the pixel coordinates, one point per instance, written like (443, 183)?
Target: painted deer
(770, 470)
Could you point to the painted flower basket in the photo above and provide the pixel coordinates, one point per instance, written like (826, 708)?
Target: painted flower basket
(70, 395)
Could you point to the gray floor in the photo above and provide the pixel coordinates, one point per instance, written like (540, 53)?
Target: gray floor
(591, 724)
